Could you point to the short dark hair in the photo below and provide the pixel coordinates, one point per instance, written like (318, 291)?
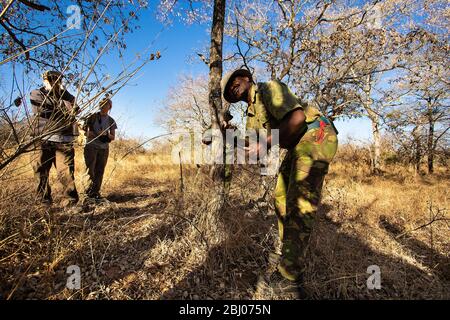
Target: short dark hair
(105, 101)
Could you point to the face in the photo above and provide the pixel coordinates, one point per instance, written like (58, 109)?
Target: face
(238, 89)
(52, 83)
(106, 107)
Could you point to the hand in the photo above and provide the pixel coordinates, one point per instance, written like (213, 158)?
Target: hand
(258, 150)
(206, 142)
(104, 139)
(226, 125)
(18, 101)
(255, 150)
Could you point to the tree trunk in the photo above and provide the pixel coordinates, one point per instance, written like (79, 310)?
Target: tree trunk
(418, 157)
(417, 149)
(215, 94)
(430, 144)
(375, 120)
(215, 66)
(376, 152)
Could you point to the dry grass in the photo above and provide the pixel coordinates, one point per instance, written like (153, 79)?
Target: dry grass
(152, 241)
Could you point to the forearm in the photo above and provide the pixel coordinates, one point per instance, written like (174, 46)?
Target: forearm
(76, 109)
(290, 129)
(289, 136)
(112, 135)
(36, 100)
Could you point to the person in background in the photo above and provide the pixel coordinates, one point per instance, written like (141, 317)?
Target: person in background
(55, 130)
(100, 130)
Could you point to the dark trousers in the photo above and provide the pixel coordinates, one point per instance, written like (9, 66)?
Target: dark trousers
(96, 159)
(62, 155)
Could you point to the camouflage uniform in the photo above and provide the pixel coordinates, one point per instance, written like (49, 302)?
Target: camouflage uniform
(302, 172)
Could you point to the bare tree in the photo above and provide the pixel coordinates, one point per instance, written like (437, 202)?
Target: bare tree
(187, 106)
(337, 54)
(44, 36)
(426, 101)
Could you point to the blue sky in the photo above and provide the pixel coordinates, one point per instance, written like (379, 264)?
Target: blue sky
(136, 106)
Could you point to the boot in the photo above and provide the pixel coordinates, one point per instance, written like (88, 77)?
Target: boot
(285, 288)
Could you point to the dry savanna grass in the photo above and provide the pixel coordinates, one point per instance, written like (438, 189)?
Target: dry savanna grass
(154, 240)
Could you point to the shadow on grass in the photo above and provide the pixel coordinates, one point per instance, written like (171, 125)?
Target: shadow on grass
(438, 263)
(230, 269)
(337, 269)
(338, 263)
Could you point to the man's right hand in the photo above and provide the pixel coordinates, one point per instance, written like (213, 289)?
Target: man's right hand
(18, 101)
(104, 139)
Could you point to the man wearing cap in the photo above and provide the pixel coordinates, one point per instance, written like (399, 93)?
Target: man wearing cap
(55, 128)
(100, 131)
(311, 141)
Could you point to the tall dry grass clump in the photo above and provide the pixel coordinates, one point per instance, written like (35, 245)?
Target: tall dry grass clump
(156, 237)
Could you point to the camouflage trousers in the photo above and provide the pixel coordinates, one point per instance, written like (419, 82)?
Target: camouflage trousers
(297, 195)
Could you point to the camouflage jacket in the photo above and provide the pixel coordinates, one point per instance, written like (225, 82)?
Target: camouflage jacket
(271, 101)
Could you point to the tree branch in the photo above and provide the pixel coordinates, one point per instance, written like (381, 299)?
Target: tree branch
(35, 6)
(16, 40)
(6, 8)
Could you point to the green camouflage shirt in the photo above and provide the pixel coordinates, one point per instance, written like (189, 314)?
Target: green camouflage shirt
(271, 101)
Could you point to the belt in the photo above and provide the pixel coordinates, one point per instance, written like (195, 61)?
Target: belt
(60, 138)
